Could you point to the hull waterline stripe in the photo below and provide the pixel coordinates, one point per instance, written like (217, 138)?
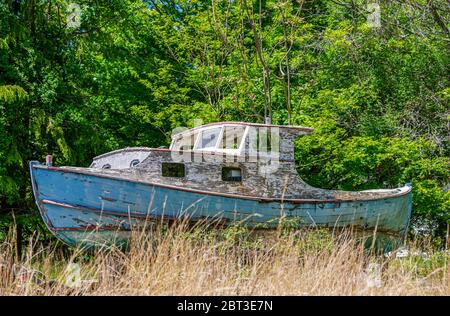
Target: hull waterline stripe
(98, 211)
(134, 215)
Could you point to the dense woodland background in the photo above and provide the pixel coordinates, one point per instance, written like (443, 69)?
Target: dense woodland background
(378, 97)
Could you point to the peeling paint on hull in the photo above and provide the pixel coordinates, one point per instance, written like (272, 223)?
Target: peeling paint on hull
(83, 209)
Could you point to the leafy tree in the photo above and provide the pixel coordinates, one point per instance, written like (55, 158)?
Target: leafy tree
(133, 70)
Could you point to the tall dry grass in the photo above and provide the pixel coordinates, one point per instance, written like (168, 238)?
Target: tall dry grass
(182, 260)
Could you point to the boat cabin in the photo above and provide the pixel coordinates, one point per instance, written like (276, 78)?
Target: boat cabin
(228, 157)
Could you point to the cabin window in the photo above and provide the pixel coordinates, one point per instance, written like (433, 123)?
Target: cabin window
(107, 166)
(232, 137)
(185, 142)
(171, 169)
(134, 162)
(208, 138)
(231, 174)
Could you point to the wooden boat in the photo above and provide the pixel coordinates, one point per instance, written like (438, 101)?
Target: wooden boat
(228, 171)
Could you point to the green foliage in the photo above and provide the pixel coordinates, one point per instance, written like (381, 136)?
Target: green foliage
(10, 94)
(422, 265)
(432, 204)
(134, 70)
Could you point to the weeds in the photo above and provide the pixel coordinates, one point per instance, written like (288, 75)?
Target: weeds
(200, 260)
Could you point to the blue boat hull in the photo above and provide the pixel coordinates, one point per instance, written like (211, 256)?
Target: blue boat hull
(86, 209)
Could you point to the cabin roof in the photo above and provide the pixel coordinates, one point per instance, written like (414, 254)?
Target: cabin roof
(216, 137)
(288, 128)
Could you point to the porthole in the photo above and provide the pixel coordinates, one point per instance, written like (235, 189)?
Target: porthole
(134, 162)
(107, 166)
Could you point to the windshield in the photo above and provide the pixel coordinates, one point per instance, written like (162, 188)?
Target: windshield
(185, 142)
(232, 137)
(208, 138)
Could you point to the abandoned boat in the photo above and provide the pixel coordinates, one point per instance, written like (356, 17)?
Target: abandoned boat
(228, 171)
